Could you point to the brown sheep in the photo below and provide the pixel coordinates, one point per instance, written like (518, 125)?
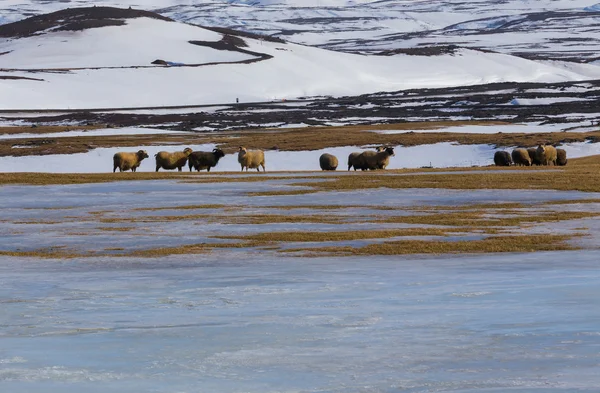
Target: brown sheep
(521, 157)
(546, 154)
(173, 160)
(204, 159)
(502, 158)
(126, 161)
(251, 159)
(375, 160)
(358, 162)
(384, 162)
(532, 151)
(561, 157)
(352, 160)
(328, 162)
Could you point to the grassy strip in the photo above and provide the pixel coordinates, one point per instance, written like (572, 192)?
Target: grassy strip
(185, 207)
(482, 219)
(310, 138)
(524, 243)
(314, 138)
(339, 236)
(15, 130)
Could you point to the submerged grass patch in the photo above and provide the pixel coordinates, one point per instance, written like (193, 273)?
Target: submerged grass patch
(339, 235)
(524, 243)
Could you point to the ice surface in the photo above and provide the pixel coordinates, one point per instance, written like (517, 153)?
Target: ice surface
(66, 215)
(245, 322)
(253, 321)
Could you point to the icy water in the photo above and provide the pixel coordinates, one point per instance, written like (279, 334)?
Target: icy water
(249, 323)
(247, 320)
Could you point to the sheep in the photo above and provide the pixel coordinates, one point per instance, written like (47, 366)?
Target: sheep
(200, 160)
(521, 157)
(328, 162)
(126, 161)
(502, 158)
(546, 154)
(375, 160)
(173, 160)
(251, 159)
(385, 161)
(532, 151)
(358, 162)
(561, 157)
(352, 160)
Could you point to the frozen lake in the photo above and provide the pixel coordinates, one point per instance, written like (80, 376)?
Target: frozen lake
(250, 323)
(252, 320)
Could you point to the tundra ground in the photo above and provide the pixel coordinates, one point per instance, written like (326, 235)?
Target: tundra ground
(394, 212)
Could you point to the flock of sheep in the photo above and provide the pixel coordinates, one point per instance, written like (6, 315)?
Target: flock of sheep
(542, 155)
(249, 159)
(366, 160)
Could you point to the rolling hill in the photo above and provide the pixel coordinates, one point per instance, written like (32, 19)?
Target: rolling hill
(103, 57)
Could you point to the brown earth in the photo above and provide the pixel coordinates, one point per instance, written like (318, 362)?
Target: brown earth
(310, 138)
(74, 19)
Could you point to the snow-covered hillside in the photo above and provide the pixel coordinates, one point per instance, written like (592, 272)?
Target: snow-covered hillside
(552, 29)
(111, 66)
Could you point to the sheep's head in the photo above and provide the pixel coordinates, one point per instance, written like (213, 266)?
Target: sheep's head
(243, 149)
(390, 151)
(187, 151)
(218, 153)
(142, 154)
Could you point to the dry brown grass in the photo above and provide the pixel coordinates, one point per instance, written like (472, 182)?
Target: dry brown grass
(311, 138)
(577, 176)
(185, 207)
(43, 129)
(314, 138)
(281, 237)
(116, 229)
(494, 244)
(485, 218)
(57, 252)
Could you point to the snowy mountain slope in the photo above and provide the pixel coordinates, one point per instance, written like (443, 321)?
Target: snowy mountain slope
(549, 29)
(137, 43)
(284, 71)
(280, 71)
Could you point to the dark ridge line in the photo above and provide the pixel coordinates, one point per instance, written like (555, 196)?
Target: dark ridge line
(10, 77)
(74, 19)
(142, 108)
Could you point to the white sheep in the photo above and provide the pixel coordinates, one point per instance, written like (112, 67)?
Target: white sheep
(126, 161)
(251, 159)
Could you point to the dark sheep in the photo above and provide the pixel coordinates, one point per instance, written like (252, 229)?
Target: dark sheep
(200, 160)
(502, 158)
(532, 151)
(561, 157)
